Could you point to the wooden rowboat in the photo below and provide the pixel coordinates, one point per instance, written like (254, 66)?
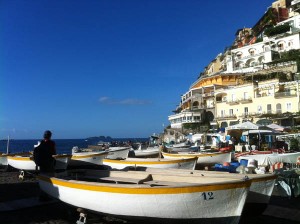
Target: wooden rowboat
(87, 158)
(152, 162)
(203, 157)
(26, 162)
(118, 152)
(261, 189)
(136, 194)
(149, 152)
(115, 152)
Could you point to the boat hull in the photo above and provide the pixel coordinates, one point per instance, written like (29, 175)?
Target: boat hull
(260, 191)
(27, 163)
(155, 163)
(185, 202)
(87, 158)
(203, 158)
(118, 152)
(143, 153)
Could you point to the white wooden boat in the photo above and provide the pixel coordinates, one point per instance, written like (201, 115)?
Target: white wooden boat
(136, 194)
(261, 188)
(26, 162)
(181, 145)
(148, 152)
(87, 158)
(118, 152)
(203, 157)
(186, 149)
(4, 161)
(152, 162)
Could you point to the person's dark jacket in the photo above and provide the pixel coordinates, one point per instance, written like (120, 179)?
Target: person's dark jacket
(43, 155)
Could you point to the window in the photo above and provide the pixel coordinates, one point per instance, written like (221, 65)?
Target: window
(246, 95)
(269, 108)
(259, 109)
(231, 112)
(278, 108)
(246, 110)
(239, 55)
(222, 113)
(280, 46)
(252, 51)
(233, 97)
(288, 106)
(253, 63)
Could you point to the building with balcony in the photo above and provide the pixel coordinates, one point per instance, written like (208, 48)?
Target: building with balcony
(252, 57)
(249, 81)
(257, 101)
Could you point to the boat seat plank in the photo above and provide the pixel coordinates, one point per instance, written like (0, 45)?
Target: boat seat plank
(166, 183)
(117, 180)
(127, 180)
(120, 180)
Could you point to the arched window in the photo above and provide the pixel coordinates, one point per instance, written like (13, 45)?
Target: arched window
(239, 65)
(280, 45)
(278, 108)
(195, 105)
(209, 116)
(239, 54)
(252, 51)
(250, 63)
(261, 59)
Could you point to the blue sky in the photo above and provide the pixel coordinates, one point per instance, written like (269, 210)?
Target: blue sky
(107, 67)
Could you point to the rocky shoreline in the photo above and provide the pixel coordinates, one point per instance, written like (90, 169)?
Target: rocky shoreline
(56, 212)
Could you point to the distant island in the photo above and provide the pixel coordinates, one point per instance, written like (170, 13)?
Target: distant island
(100, 138)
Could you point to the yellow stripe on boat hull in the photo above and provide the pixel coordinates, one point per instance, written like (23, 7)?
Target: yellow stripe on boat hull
(140, 189)
(150, 162)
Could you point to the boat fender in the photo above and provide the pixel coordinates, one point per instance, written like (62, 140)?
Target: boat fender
(82, 216)
(246, 178)
(21, 175)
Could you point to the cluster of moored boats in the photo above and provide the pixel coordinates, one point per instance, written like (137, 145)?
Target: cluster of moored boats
(164, 187)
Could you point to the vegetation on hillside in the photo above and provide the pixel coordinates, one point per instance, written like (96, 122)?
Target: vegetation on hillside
(272, 31)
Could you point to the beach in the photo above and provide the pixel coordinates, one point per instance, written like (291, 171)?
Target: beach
(19, 204)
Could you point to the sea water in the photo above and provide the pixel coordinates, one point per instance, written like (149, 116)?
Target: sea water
(62, 145)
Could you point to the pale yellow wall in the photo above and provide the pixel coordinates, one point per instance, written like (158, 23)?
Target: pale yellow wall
(213, 67)
(238, 109)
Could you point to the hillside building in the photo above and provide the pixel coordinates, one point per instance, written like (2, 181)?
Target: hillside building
(252, 80)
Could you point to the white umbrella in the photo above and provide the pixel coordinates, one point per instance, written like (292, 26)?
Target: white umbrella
(277, 127)
(244, 126)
